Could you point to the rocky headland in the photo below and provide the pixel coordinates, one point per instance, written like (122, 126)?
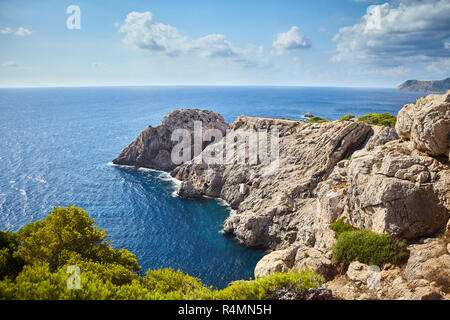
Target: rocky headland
(394, 182)
(425, 86)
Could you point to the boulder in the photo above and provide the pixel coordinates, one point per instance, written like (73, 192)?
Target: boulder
(382, 136)
(391, 189)
(419, 254)
(427, 124)
(297, 258)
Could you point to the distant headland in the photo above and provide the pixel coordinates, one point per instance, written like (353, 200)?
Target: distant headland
(425, 86)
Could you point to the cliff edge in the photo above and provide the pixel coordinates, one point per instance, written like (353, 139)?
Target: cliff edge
(395, 183)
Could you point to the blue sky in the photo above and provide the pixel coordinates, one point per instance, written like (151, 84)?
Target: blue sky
(353, 43)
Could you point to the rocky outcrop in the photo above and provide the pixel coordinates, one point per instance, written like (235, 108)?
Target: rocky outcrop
(321, 293)
(382, 136)
(275, 205)
(297, 258)
(395, 182)
(427, 124)
(425, 86)
(391, 189)
(426, 277)
(153, 147)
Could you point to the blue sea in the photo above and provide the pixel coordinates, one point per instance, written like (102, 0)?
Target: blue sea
(56, 145)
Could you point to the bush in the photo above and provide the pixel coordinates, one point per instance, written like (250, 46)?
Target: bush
(340, 226)
(34, 262)
(369, 247)
(347, 117)
(383, 119)
(264, 288)
(316, 120)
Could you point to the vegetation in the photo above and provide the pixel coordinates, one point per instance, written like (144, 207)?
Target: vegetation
(379, 119)
(340, 226)
(36, 262)
(316, 120)
(348, 117)
(368, 247)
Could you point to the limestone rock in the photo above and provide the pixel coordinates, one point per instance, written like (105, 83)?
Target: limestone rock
(153, 147)
(419, 254)
(391, 189)
(427, 124)
(437, 271)
(274, 202)
(321, 293)
(276, 261)
(383, 136)
(298, 258)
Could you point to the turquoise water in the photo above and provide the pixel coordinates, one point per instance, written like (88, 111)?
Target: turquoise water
(56, 145)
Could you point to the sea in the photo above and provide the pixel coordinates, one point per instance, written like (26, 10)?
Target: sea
(57, 144)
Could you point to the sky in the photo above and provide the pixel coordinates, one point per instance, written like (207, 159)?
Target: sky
(343, 43)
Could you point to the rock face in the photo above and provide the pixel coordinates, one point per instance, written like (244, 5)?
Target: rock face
(153, 147)
(383, 136)
(427, 124)
(391, 189)
(275, 206)
(395, 182)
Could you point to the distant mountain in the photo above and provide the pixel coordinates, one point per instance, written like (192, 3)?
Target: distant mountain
(425, 86)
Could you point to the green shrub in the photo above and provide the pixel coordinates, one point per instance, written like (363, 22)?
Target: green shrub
(34, 262)
(10, 265)
(264, 288)
(383, 119)
(369, 247)
(340, 226)
(316, 120)
(347, 117)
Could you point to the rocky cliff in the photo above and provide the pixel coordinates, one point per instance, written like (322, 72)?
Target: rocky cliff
(394, 182)
(152, 148)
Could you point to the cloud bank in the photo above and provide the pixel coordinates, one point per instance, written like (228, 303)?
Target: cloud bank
(142, 32)
(404, 31)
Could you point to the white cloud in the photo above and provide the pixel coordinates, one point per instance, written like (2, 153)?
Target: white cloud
(22, 32)
(291, 40)
(142, 32)
(11, 64)
(6, 30)
(391, 34)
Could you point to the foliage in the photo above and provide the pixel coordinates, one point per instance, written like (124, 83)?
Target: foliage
(34, 265)
(348, 117)
(9, 265)
(340, 226)
(379, 119)
(69, 234)
(369, 247)
(316, 120)
(263, 288)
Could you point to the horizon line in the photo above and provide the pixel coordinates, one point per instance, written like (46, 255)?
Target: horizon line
(189, 85)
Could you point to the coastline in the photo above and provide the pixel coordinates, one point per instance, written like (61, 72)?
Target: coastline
(327, 171)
